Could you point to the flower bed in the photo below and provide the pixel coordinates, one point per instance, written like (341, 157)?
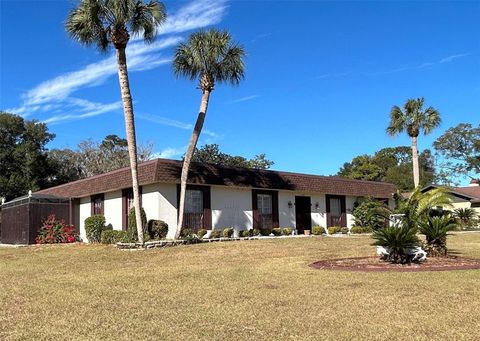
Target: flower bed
(374, 264)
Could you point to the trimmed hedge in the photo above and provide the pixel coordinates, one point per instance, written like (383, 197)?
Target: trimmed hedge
(157, 229)
(228, 232)
(94, 226)
(318, 230)
(334, 229)
(201, 233)
(114, 236)
(216, 234)
(277, 231)
(361, 229)
(132, 222)
(255, 232)
(265, 232)
(287, 231)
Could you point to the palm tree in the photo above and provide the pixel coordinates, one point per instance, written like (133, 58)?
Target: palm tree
(413, 119)
(110, 22)
(209, 56)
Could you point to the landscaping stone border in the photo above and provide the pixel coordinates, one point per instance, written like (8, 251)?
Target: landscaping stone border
(168, 243)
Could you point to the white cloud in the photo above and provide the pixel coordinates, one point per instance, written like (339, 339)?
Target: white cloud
(56, 93)
(244, 99)
(165, 121)
(170, 152)
(444, 60)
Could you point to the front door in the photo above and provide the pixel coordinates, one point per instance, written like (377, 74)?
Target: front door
(336, 213)
(303, 216)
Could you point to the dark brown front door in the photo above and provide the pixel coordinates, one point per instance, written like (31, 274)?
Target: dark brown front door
(303, 216)
(336, 213)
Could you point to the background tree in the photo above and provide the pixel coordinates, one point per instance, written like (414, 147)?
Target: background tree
(110, 22)
(412, 119)
(390, 165)
(24, 163)
(93, 158)
(209, 56)
(210, 153)
(459, 151)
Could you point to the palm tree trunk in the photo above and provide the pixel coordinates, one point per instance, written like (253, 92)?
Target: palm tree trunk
(416, 170)
(131, 140)
(188, 158)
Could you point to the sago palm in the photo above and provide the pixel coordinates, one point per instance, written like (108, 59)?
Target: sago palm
(110, 22)
(398, 240)
(417, 207)
(209, 57)
(413, 119)
(436, 231)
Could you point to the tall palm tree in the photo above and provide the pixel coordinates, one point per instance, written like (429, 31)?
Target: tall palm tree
(110, 22)
(209, 56)
(413, 119)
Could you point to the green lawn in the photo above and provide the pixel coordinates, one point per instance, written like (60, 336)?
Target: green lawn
(248, 290)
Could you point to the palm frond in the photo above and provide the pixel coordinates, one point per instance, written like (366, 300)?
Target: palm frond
(398, 121)
(210, 53)
(146, 17)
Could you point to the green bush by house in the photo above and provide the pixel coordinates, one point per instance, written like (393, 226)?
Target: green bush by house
(94, 226)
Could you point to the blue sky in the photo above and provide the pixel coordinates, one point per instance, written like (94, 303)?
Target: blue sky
(321, 77)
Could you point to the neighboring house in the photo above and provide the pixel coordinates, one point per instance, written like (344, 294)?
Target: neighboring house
(463, 197)
(219, 197)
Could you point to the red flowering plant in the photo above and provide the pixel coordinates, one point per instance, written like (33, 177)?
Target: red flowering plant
(56, 231)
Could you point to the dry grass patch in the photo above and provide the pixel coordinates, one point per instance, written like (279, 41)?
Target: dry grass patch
(248, 290)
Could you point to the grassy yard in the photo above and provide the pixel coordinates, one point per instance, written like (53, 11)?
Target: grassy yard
(249, 290)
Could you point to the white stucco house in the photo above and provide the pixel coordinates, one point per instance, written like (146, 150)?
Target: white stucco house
(219, 197)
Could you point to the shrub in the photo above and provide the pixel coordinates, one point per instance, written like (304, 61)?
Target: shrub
(186, 233)
(157, 229)
(318, 230)
(344, 230)
(436, 231)
(228, 232)
(116, 236)
(465, 216)
(94, 226)
(245, 233)
(334, 229)
(371, 213)
(277, 231)
(287, 231)
(56, 231)
(265, 232)
(216, 234)
(255, 232)
(397, 240)
(360, 229)
(132, 222)
(201, 233)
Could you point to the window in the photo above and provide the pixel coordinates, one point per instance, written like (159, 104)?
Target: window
(265, 209)
(193, 215)
(97, 204)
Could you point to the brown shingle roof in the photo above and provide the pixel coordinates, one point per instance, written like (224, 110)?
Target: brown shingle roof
(168, 171)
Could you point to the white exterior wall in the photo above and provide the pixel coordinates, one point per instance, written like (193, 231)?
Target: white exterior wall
(286, 215)
(112, 207)
(150, 201)
(231, 207)
(85, 212)
(319, 215)
(349, 202)
(167, 206)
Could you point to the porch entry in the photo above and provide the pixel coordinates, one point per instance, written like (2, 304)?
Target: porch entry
(303, 214)
(336, 212)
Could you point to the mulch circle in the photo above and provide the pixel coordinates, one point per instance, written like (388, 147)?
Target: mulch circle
(374, 264)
